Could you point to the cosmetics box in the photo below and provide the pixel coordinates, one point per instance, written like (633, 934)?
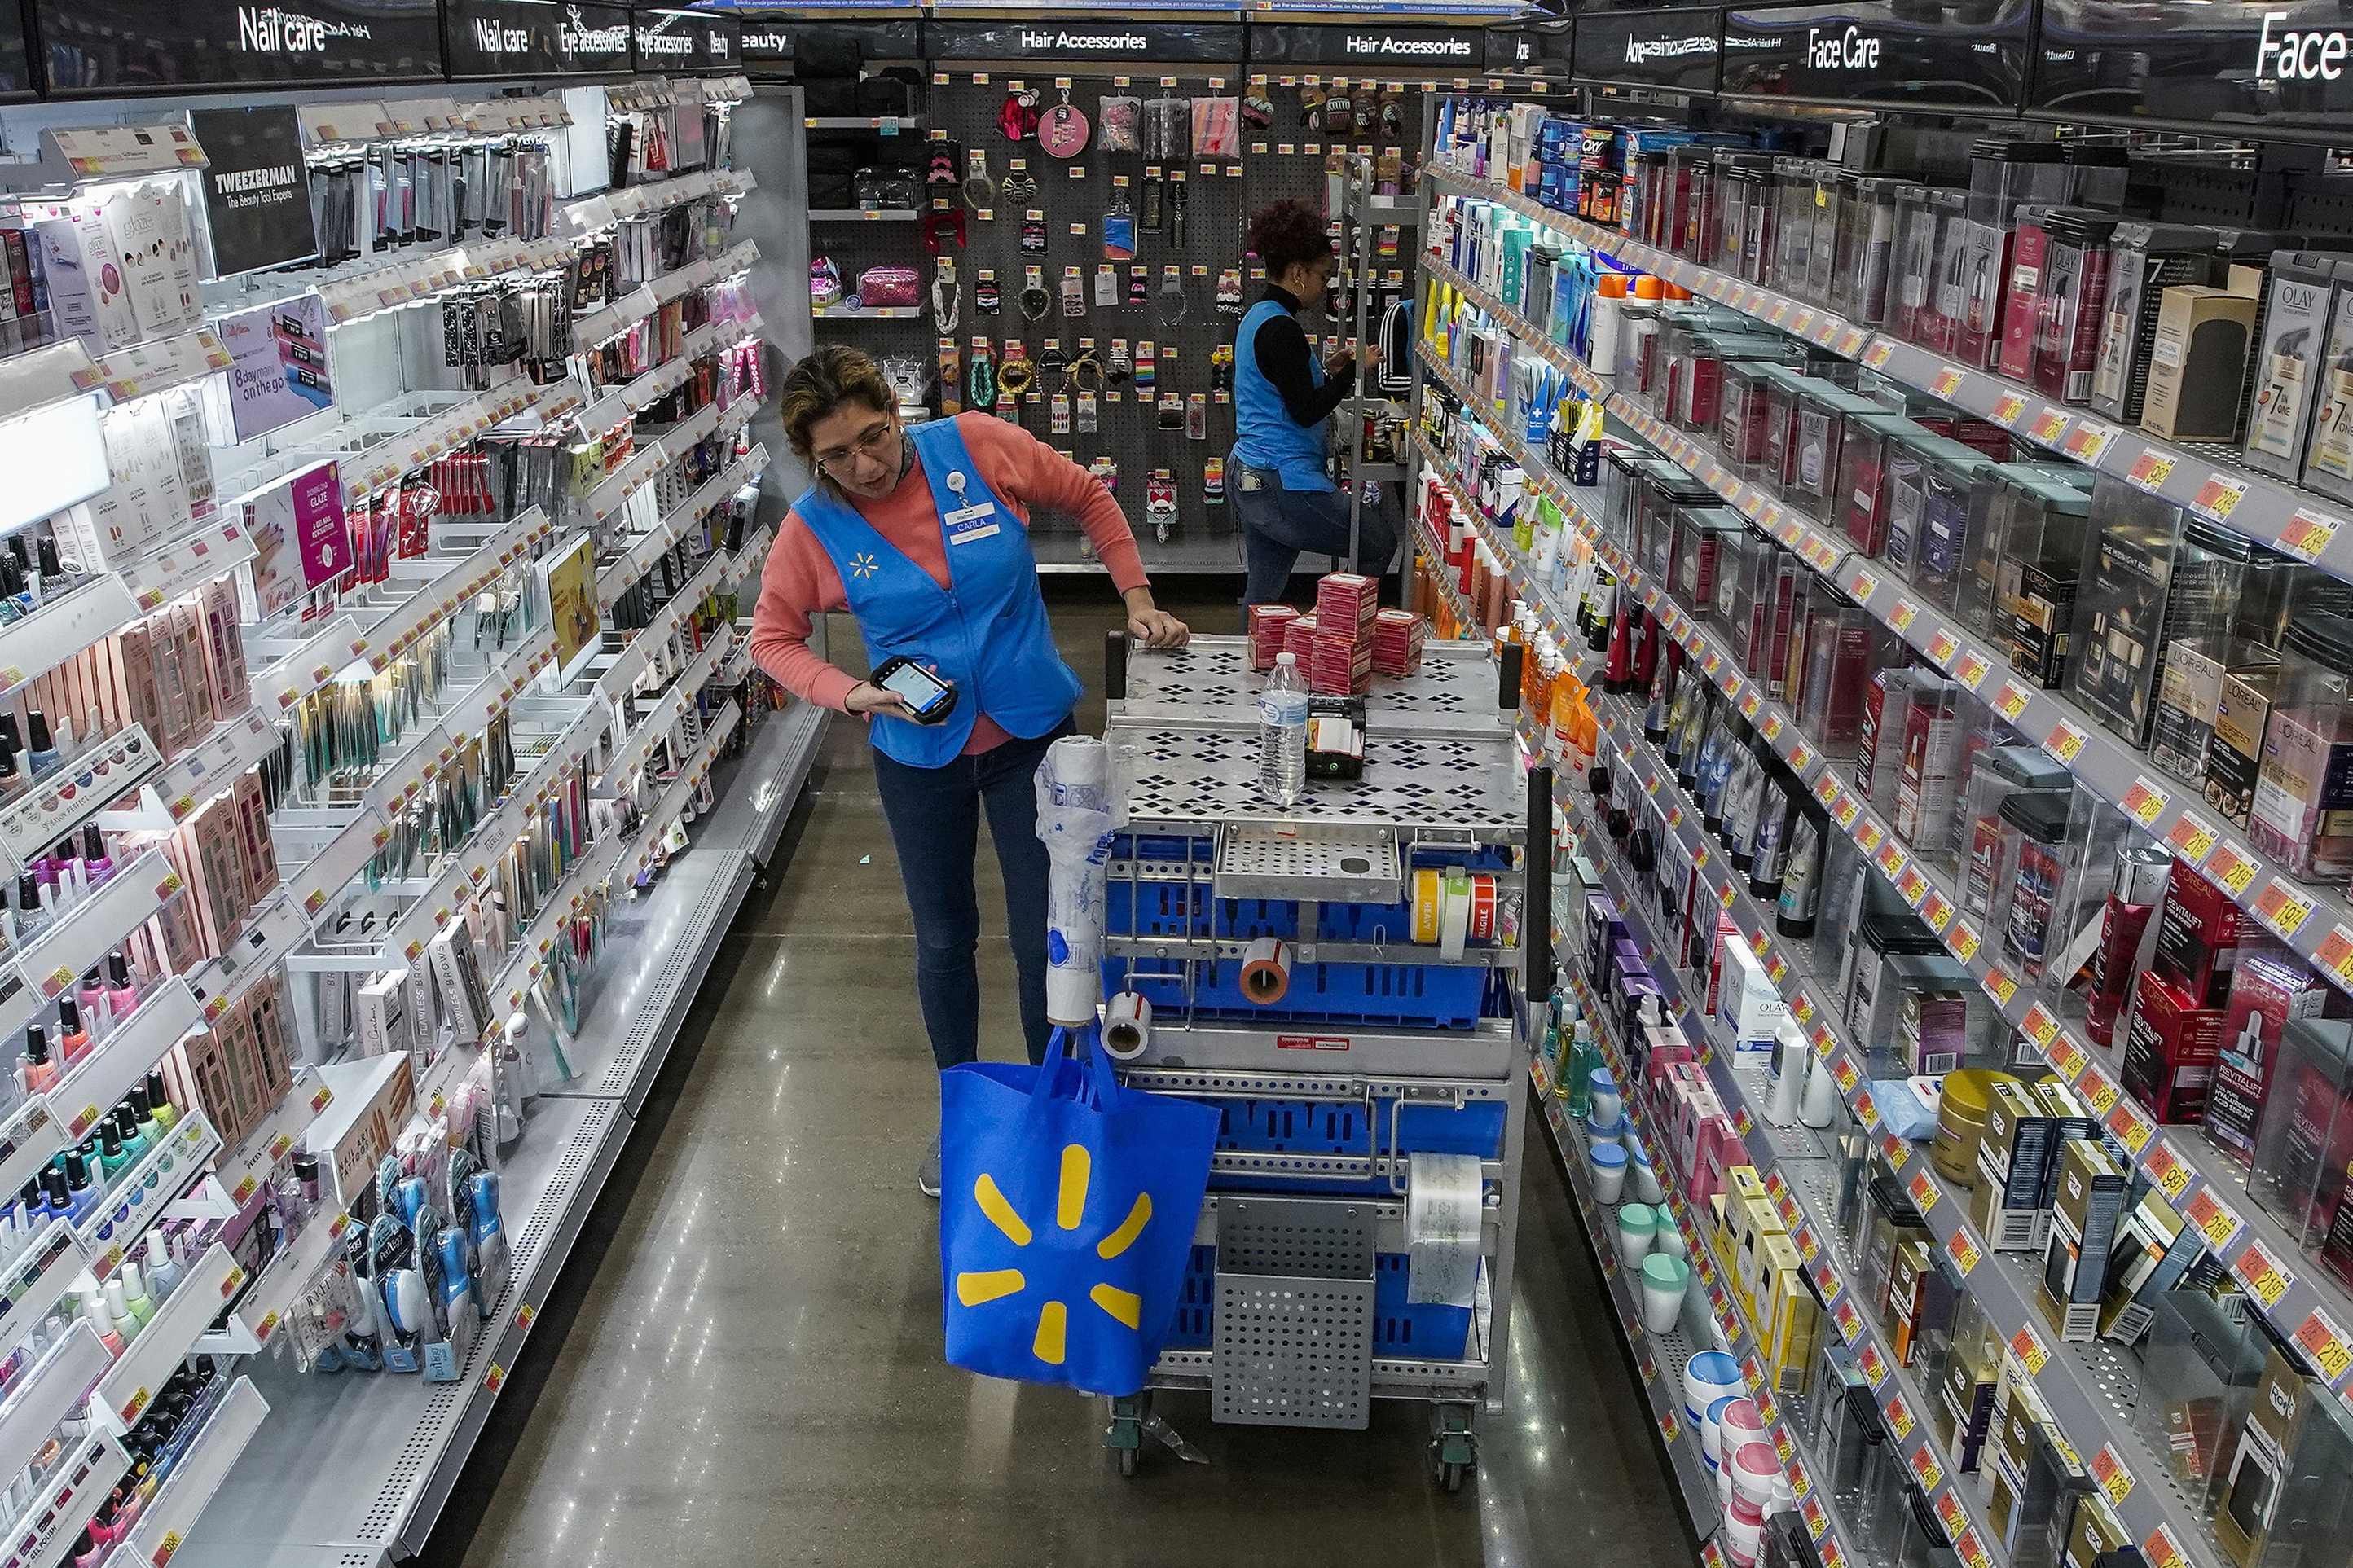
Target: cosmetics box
(2190, 699)
(2196, 357)
(2149, 1259)
(2304, 787)
(2140, 588)
(2038, 563)
(2234, 755)
(1965, 1401)
(2021, 287)
(2014, 1156)
(2268, 991)
(2198, 935)
(373, 1099)
(1788, 1315)
(2303, 1143)
(2145, 260)
(2284, 1494)
(2071, 299)
(2170, 1046)
(381, 1012)
(464, 1006)
(196, 1073)
(2084, 1210)
(2288, 363)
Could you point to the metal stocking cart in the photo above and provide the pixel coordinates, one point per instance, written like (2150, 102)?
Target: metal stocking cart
(1297, 1310)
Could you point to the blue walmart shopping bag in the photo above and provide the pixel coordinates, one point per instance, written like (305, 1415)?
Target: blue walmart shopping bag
(1067, 1211)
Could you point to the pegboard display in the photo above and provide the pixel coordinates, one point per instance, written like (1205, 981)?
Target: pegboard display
(1129, 253)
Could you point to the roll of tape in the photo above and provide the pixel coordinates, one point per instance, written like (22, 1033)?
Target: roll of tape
(1266, 971)
(1127, 1026)
(1455, 916)
(1428, 892)
(1483, 907)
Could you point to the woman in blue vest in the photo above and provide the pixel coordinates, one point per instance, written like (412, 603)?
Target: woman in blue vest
(922, 533)
(1283, 400)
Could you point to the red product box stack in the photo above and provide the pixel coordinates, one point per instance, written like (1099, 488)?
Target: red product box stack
(1299, 641)
(1341, 655)
(1268, 625)
(1396, 642)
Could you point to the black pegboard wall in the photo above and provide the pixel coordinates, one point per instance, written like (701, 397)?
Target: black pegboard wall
(1285, 157)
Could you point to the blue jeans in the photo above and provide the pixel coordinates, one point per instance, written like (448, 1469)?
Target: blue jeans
(1279, 525)
(934, 816)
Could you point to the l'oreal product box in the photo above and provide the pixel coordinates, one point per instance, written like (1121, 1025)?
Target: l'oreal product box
(2284, 1499)
(2266, 992)
(2013, 1158)
(2084, 1212)
(2197, 940)
(1965, 1401)
(2148, 1259)
(2288, 379)
(2169, 1050)
(2195, 359)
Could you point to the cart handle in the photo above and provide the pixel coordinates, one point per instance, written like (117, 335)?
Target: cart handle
(1116, 665)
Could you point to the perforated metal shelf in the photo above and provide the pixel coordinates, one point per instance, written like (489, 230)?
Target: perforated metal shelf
(1294, 1343)
(1211, 681)
(1188, 776)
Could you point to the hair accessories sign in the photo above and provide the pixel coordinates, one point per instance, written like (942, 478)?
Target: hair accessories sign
(1879, 52)
(1061, 38)
(1443, 50)
(483, 38)
(142, 46)
(1674, 49)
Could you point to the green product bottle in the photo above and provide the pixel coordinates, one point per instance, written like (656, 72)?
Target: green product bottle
(1582, 1060)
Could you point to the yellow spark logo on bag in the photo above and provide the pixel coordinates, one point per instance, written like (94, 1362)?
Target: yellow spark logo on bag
(978, 1288)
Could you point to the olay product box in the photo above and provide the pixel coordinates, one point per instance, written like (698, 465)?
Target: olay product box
(2198, 935)
(2170, 1045)
(2144, 260)
(2022, 291)
(2266, 992)
(2288, 379)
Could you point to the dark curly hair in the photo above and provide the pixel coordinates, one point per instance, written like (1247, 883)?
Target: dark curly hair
(1287, 234)
(822, 381)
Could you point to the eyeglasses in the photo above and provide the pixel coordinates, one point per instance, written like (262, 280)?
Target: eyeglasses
(876, 444)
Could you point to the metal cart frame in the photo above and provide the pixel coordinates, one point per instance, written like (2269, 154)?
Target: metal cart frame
(1442, 771)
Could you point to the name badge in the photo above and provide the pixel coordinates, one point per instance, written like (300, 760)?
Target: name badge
(968, 523)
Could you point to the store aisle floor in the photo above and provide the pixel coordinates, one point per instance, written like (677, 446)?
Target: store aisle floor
(742, 1363)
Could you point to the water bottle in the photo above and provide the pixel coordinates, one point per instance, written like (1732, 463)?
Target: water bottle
(1283, 732)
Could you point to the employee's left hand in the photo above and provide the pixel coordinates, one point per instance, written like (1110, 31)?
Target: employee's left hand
(1153, 626)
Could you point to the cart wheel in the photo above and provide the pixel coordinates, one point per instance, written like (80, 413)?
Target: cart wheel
(1127, 1462)
(1450, 1476)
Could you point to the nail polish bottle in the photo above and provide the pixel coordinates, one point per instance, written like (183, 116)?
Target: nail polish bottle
(82, 1196)
(113, 1153)
(126, 1127)
(86, 1551)
(97, 864)
(40, 1071)
(121, 996)
(159, 1100)
(43, 751)
(119, 1315)
(34, 1203)
(73, 1040)
(93, 1311)
(135, 1296)
(91, 998)
(66, 747)
(163, 1270)
(52, 568)
(150, 1130)
(15, 594)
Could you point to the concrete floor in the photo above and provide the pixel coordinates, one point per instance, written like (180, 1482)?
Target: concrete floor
(742, 1363)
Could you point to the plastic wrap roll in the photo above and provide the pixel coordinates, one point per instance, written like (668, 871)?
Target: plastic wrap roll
(1078, 810)
(1266, 971)
(1127, 1026)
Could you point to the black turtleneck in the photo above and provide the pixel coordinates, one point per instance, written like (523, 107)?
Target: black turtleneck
(1284, 356)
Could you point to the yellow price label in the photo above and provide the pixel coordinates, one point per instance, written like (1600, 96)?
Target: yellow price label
(2150, 470)
(1963, 942)
(2213, 1218)
(2011, 702)
(1902, 613)
(2233, 867)
(2266, 1278)
(2166, 1169)
(2326, 1345)
(1881, 351)
(2308, 533)
(1943, 647)
(2192, 837)
(1923, 1465)
(2000, 985)
(2007, 409)
(1924, 1191)
(2143, 801)
(2218, 497)
(1946, 383)
(2031, 1349)
(1962, 1248)
(2040, 1026)
(2282, 908)
(2108, 1470)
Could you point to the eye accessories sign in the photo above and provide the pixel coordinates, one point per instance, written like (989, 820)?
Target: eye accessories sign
(685, 41)
(146, 45)
(533, 38)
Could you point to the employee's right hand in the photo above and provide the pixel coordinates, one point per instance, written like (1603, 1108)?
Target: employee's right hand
(866, 699)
